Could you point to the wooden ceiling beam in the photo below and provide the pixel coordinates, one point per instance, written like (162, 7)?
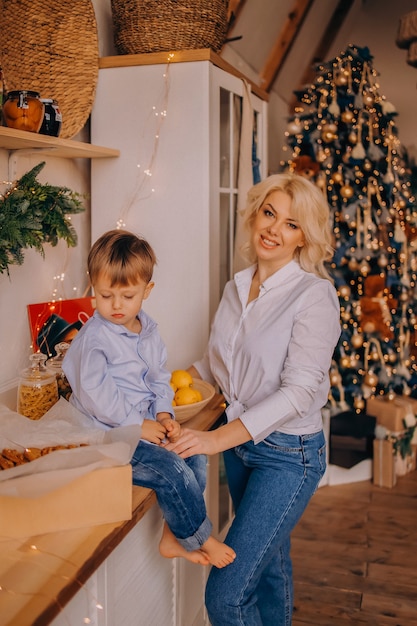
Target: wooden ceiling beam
(284, 42)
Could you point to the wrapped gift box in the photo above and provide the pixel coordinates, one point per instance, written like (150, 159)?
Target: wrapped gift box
(70, 487)
(391, 413)
(351, 437)
(384, 474)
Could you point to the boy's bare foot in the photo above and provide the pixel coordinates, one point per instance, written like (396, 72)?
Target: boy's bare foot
(218, 553)
(170, 548)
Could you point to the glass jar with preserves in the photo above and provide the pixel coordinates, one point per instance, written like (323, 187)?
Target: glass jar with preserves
(55, 365)
(52, 119)
(23, 110)
(38, 390)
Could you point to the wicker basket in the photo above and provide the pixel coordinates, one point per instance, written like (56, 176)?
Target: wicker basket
(52, 49)
(142, 26)
(407, 30)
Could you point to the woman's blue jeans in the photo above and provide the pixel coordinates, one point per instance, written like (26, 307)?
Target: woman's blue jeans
(179, 486)
(271, 484)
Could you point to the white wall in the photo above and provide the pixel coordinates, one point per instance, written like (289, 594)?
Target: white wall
(35, 280)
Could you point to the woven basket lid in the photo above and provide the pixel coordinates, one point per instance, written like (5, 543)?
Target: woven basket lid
(52, 48)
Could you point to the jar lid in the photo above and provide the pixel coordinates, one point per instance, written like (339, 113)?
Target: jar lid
(23, 92)
(55, 362)
(37, 373)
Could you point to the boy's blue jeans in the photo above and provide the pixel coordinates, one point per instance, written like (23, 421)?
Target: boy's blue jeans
(271, 484)
(179, 486)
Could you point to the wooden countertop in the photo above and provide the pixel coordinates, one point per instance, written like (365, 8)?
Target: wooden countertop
(39, 575)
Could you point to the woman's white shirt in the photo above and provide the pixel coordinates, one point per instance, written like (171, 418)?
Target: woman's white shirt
(271, 357)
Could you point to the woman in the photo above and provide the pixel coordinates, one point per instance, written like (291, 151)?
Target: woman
(270, 350)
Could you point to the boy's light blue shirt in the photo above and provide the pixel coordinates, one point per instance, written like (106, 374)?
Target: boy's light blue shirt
(118, 377)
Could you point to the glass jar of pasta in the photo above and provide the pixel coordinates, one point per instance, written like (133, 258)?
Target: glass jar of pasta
(55, 365)
(38, 390)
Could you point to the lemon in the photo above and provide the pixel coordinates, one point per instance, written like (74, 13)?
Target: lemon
(187, 395)
(181, 378)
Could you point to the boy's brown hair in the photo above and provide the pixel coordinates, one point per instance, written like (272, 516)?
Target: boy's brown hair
(121, 256)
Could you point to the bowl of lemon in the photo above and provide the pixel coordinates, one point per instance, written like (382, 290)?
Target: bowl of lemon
(191, 395)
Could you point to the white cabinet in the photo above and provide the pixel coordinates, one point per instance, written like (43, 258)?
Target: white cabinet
(174, 182)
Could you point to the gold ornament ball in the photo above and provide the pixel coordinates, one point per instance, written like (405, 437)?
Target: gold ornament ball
(346, 117)
(367, 165)
(353, 264)
(321, 182)
(359, 403)
(346, 191)
(335, 378)
(404, 296)
(369, 327)
(345, 315)
(352, 137)
(345, 361)
(294, 128)
(342, 78)
(357, 340)
(337, 177)
(345, 291)
(327, 136)
(374, 355)
(331, 128)
(382, 260)
(368, 99)
(364, 268)
(371, 379)
(321, 155)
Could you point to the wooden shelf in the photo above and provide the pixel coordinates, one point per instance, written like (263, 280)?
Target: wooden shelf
(12, 139)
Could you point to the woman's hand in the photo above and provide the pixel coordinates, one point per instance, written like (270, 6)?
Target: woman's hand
(192, 442)
(209, 442)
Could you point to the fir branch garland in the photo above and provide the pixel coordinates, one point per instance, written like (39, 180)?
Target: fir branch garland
(33, 214)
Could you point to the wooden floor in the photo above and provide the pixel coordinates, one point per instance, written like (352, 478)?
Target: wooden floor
(355, 556)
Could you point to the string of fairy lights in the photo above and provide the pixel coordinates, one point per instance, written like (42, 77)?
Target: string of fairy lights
(158, 115)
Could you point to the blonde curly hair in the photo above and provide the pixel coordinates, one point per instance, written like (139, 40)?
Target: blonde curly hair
(311, 210)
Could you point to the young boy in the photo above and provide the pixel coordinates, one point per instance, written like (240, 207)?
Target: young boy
(117, 372)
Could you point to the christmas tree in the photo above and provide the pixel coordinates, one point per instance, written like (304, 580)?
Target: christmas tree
(343, 136)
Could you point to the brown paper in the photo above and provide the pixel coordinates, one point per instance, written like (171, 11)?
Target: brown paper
(391, 413)
(384, 464)
(67, 488)
(62, 424)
